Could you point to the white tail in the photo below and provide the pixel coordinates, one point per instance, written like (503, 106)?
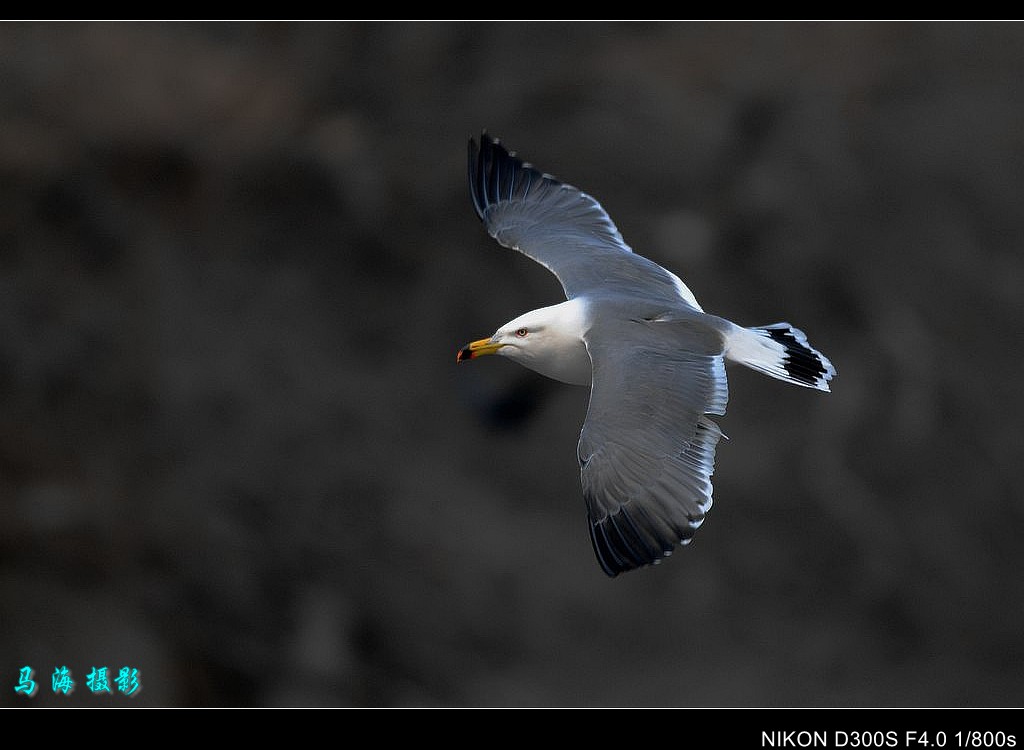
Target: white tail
(782, 351)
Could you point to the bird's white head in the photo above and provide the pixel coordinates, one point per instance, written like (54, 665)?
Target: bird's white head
(548, 340)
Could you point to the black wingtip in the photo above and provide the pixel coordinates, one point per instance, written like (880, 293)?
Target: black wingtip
(481, 159)
(623, 542)
(473, 163)
(602, 549)
(483, 170)
(497, 174)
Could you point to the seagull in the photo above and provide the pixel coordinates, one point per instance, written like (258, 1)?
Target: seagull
(635, 334)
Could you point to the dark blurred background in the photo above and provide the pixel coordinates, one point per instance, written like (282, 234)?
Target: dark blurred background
(236, 453)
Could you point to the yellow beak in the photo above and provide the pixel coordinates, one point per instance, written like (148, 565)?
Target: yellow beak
(477, 349)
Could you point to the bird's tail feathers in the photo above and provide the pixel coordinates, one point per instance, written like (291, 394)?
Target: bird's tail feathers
(782, 351)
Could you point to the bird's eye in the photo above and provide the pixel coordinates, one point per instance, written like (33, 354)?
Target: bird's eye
(521, 333)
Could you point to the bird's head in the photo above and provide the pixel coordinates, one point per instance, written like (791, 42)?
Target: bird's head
(548, 341)
(519, 339)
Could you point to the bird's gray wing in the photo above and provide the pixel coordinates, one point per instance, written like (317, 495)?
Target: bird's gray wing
(560, 227)
(647, 448)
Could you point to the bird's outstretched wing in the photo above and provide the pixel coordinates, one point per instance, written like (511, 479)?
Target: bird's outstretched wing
(647, 448)
(560, 227)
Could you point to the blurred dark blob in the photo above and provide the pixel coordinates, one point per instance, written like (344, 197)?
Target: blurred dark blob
(515, 405)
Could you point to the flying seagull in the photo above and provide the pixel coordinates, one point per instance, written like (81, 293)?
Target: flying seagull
(634, 333)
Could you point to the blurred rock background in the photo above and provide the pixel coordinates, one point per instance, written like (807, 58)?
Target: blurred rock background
(237, 260)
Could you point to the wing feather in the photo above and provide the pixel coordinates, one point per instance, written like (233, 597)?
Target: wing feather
(647, 448)
(560, 227)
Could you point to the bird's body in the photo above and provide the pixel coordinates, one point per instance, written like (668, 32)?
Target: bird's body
(633, 332)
